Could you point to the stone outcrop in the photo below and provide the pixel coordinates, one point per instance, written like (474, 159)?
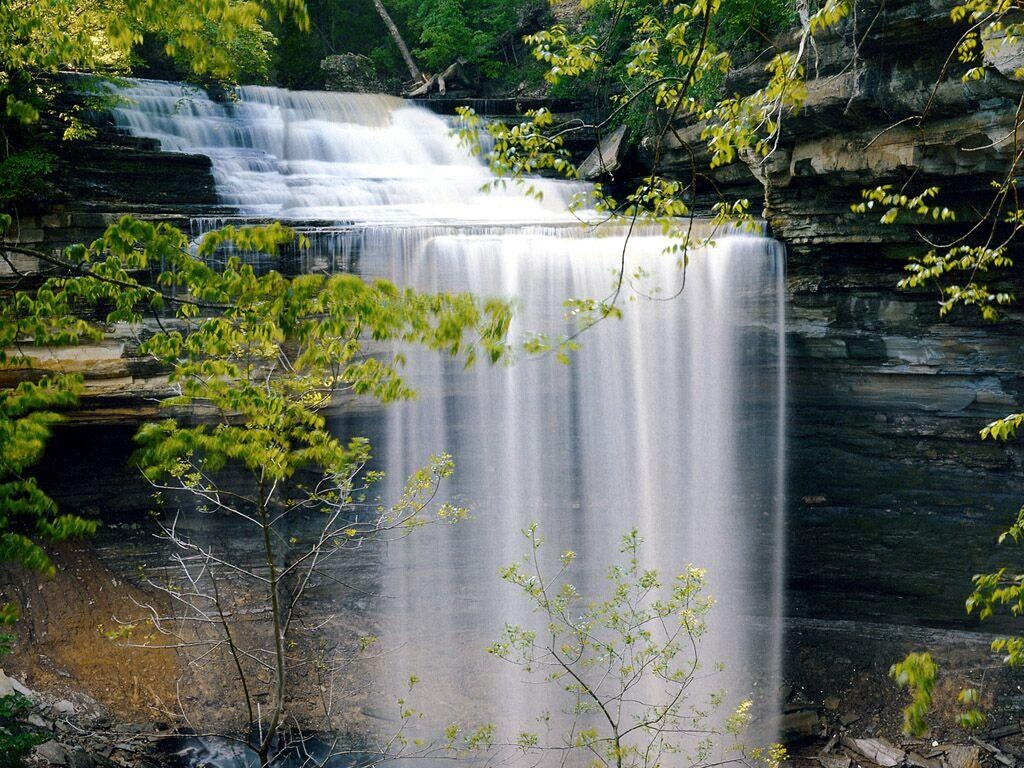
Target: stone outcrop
(886, 398)
(101, 181)
(352, 73)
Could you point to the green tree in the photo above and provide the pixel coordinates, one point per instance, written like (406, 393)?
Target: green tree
(219, 39)
(673, 61)
(263, 355)
(627, 664)
(36, 40)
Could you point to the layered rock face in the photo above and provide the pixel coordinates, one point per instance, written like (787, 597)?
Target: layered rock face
(886, 398)
(115, 175)
(895, 502)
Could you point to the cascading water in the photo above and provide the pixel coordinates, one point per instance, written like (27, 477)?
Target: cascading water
(341, 157)
(669, 421)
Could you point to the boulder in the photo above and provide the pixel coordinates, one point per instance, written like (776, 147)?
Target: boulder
(962, 757)
(51, 753)
(350, 72)
(800, 724)
(8, 686)
(64, 707)
(607, 155)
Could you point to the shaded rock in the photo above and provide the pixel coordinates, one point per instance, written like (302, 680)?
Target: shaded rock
(878, 751)
(64, 707)
(9, 685)
(52, 753)
(607, 155)
(352, 73)
(800, 724)
(962, 757)
(1003, 731)
(834, 761)
(920, 761)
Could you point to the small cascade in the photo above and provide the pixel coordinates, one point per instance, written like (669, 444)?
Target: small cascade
(670, 421)
(305, 156)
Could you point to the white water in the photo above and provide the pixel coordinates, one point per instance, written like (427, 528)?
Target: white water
(330, 156)
(670, 420)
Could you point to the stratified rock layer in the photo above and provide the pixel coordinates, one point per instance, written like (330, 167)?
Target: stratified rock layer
(895, 501)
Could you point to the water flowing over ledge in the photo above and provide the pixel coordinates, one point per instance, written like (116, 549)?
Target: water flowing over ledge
(335, 156)
(670, 420)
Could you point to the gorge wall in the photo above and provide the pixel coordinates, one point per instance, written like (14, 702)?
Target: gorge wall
(886, 398)
(887, 469)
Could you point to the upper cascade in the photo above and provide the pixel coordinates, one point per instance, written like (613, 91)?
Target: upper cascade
(327, 156)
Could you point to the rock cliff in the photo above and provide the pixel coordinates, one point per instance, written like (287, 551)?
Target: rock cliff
(100, 181)
(886, 398)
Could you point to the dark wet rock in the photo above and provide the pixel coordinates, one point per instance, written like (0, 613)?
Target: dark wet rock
(800, 724)
(352, 73)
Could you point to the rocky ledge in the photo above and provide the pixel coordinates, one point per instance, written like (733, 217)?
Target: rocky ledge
(102, 180)
(885, 104)
(887, 471)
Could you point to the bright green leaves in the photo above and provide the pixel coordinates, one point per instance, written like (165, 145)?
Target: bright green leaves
(1004, 428)
(935, 267)
(222, 38)
(916, 673)
(920, 207)
(564, 55)
(830, 14)
(276, 350)
(665, 66)
(517, 150)
(741, 126)
(938, 266)
(1002, 590)
(994, 25)
(28, 517)
(604, 651)
(257, 356)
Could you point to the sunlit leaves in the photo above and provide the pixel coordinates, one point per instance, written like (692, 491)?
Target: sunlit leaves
(994, 24)
(919, 206)
(203, 34)
(28, 517)
(564, 55)
(638, 644)
(939, 266)
(916, 673)
(261, 353)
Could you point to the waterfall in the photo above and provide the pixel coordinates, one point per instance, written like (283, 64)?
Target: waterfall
(670, 420)
(330, 156)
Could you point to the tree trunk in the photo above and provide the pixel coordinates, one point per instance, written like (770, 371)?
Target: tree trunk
(414, 71)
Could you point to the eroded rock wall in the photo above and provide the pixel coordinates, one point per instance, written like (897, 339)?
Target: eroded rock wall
(102, 180)
(895, 501)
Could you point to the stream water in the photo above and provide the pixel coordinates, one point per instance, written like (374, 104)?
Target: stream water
(669, 421)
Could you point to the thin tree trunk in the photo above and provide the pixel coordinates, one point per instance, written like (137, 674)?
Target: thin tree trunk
(414, 71)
